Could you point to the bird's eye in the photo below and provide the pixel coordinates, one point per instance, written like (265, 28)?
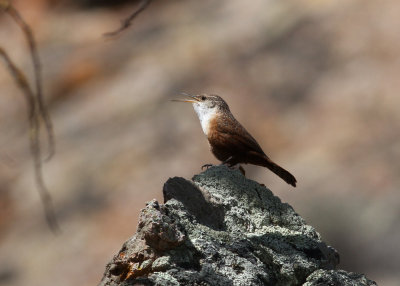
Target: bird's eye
(203, 98)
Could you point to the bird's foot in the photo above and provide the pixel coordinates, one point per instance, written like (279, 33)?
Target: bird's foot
(206, 166)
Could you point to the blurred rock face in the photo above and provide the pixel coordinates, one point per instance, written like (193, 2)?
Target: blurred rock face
(314, 81)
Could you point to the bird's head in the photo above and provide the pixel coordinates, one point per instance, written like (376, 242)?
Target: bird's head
(205, 104)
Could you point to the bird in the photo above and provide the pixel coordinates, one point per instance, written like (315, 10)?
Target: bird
(229, 141)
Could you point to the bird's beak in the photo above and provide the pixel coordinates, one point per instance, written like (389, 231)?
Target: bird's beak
(193, 100)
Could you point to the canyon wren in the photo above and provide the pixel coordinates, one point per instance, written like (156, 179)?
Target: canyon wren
(229, 140)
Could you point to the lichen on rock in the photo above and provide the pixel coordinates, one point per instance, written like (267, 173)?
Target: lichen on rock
(224, 229)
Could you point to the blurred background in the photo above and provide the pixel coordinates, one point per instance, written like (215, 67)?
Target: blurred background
(315, 82)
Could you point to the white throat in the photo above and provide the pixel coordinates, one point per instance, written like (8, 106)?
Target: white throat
(205, 115)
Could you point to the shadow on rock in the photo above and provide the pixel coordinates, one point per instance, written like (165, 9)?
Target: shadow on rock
(196, 201)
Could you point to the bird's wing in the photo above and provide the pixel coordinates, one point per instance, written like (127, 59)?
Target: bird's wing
(230, 133)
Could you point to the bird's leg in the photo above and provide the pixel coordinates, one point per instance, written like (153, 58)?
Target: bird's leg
(206, 166)
(229, 162)
(241, 169)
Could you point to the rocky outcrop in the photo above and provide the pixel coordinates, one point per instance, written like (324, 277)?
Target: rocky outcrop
(223, 229)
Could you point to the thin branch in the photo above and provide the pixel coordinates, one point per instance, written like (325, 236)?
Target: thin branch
(36, 110)
(126, 23)
(37, 74)
(34, 128)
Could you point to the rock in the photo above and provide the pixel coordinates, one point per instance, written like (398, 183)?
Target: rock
(224, 229)
(337, 277)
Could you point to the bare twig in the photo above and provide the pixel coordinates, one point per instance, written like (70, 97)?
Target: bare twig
(36, 110)
(38, 76)
(126, 23)
(34, 125)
